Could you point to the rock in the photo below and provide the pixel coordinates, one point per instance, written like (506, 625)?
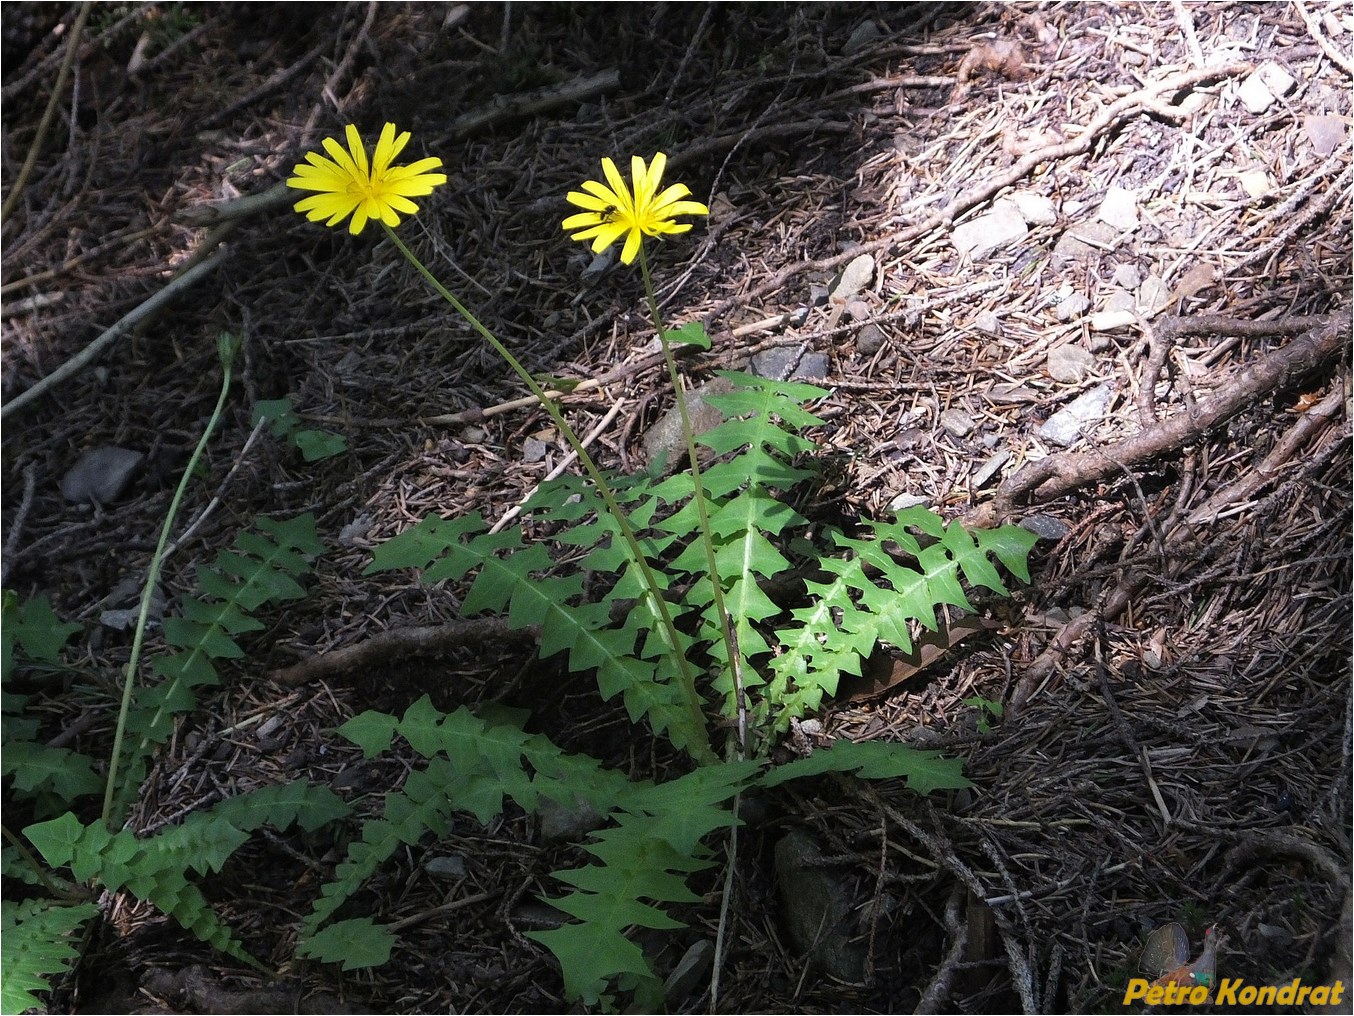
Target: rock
(870, 340)
(812, 367)
(855, 277)
(999, 227)
(1325, 132)
(1119, 300)
(903, 501)
(533, 449)
(817, 908)
(989, 469)
(560, 822)
(864, 34)
(1127, 277)
(1154, 296)
(1073, 307)
(1046, 527)
(598, 266)
(1085, 242)
(1065, 426)
(451, 866)
(101, 475)
(987, 322)
(858, 310)
(785, 363)
(1256, 183)
(957, 422)
(1266, 83)
(355, 530)
(1069, 363)
(1036, 209)
(665, 441)
(689, 973)
(1120, 209)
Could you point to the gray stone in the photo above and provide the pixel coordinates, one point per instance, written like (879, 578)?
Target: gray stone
(987, 322)
(999, 227)
(855, 277)
(1118, 301)
(1036, 208)
(870, 340)
(101, 475)
(1127, 277)
(989, 469)
(1069, 363)
(1065, 426)
(1046, 527)
(864, 34)
(1085, 242)
(561, 822)
(451, 866)
(812, 367)
(1072, 307)
(858, 310)
(817, 908)
(1154, 296)
(533, 449)
(689, 974)
(957, 422)
(1119, 208)
(665, 441)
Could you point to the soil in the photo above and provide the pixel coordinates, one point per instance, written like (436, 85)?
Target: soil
(1147, 204)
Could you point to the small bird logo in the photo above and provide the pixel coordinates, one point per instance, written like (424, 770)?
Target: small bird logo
(1167, 954)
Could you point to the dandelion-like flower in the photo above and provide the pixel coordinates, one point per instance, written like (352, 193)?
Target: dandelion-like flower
(347, 184)
(613, 211)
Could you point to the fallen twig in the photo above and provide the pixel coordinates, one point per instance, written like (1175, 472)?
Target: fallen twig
(95, 349)
(1057, 474)
(398, 643)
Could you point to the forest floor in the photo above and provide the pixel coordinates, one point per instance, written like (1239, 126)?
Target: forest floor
(1146, 206)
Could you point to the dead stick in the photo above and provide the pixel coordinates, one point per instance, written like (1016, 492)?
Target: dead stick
(1060, 647)
(398, 643)
(1057, 474)
(90, 353)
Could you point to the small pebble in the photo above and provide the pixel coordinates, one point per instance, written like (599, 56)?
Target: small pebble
(1119, 208)
(1069, 363)
(1046, 527)
(855, 277)
(987, 322)
(101, 475)
(957, 422)
(999, 227)
(1127, 277)
(1065, 426)
(1073, 307)
(989, 469)
(870, 340)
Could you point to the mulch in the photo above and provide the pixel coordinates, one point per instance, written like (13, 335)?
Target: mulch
(1176, 738)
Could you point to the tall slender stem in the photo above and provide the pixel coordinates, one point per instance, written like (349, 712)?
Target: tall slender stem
(687, 675)
(731, 651)
(227, 348)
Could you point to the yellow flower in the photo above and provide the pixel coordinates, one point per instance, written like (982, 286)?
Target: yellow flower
(612, 211)
(349, 185)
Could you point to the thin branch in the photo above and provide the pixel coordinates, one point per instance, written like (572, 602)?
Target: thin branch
(99, 346)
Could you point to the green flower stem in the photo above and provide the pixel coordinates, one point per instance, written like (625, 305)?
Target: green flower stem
(688, 677)
(226, 348)
(702, 510)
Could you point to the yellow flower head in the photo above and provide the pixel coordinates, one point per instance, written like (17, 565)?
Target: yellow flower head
(613, 211)
(348, 185)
